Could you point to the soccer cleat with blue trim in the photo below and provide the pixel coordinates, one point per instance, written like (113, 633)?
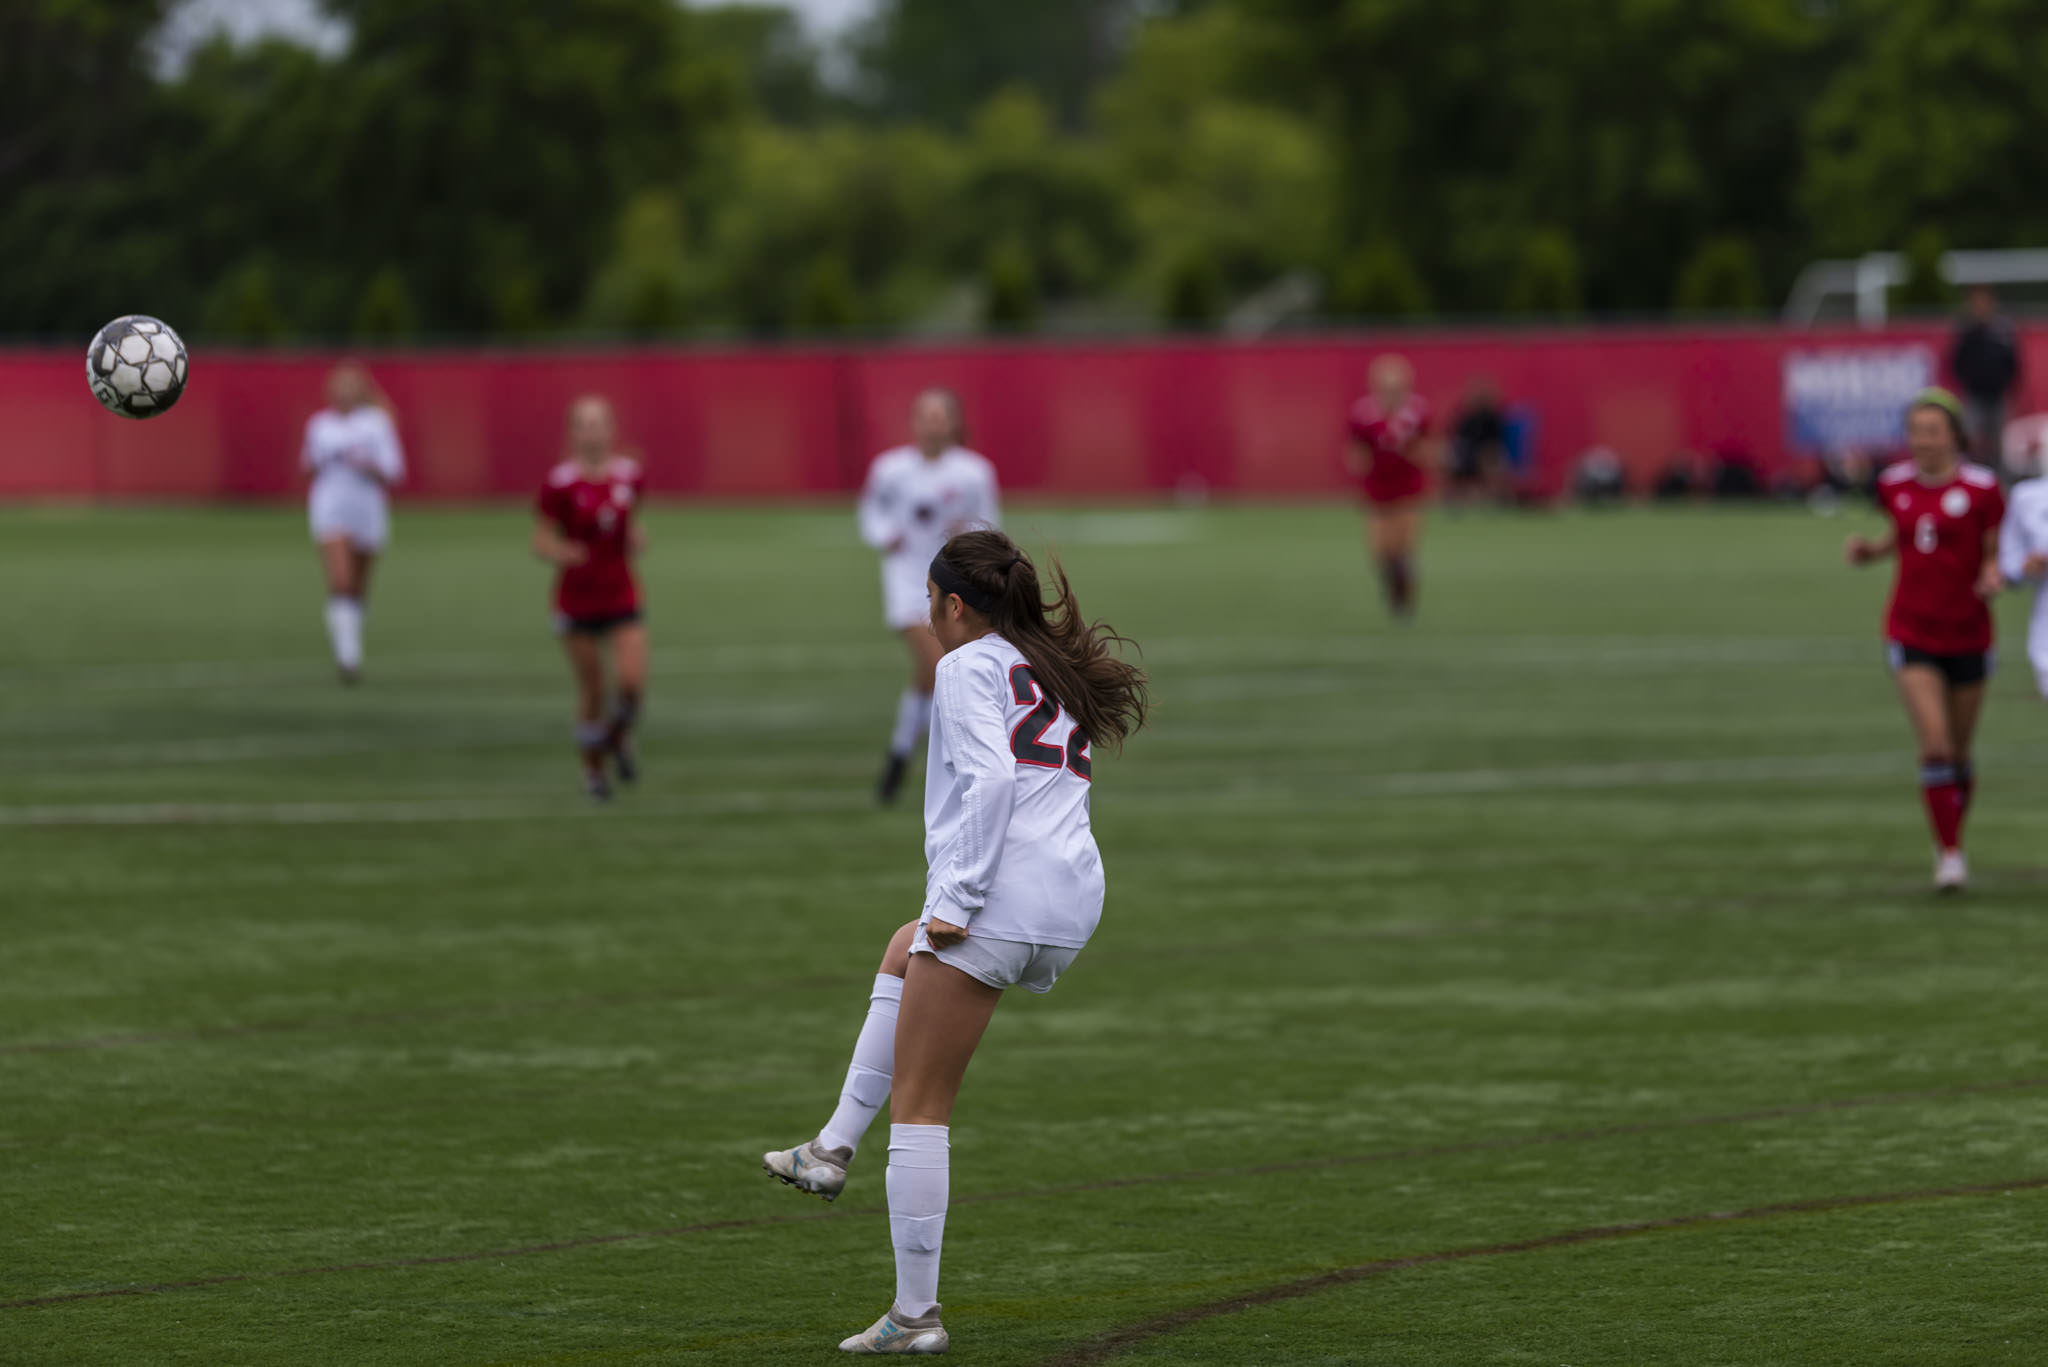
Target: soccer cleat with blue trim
(899, 1333)
(821, 1172)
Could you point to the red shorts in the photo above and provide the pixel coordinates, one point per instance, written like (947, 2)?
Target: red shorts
(1394, 482)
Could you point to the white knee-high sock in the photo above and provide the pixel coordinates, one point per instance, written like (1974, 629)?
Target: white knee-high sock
(345, 630)
(913, 722)
(919, 1158)
(867, 1077)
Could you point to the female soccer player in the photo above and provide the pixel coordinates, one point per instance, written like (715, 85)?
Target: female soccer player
(585, 528)
(1392, 454)
(1014, 887)
(915, 497)
(2023, 558)
(1945, 515)
(352, 456)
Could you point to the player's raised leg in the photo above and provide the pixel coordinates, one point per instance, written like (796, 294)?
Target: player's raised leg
(629, 673)
(819, 1165)
(1924, 692)
(944, 1014)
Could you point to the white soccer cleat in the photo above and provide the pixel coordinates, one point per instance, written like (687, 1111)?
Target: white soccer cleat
(894, 1333)
(1951, 873)
(821, 1172)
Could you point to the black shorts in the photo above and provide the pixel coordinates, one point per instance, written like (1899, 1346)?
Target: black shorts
(566, 625)
(1959, 670)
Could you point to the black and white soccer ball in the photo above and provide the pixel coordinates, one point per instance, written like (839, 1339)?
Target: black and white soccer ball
(136, 367)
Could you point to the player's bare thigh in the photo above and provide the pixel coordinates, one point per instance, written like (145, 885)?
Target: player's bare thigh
(361, 562)
(896, 958)
(337, 564)
(924, 656)
(586, 662)
(938, 1026)
(1394, 528)
(629, 655)
(1965, 705)
(1925, 693)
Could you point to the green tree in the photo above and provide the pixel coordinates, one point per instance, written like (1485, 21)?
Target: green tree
(939, 60)
(1546, 278)
(1378, 280)
(1935, 118)
(1925, 289)
(244, 307)
(1720, 277)
(827, 300)
(1012, 288)
(644, 287)
(1192, 295)
(386, 312)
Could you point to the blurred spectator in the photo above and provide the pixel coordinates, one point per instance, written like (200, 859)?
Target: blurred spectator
(1737, 472)
(1986, 362)
(1599, 480)
(1479, 446)
(1678, 480)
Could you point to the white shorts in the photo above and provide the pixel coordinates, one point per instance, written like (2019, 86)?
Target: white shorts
(905, 601)
(1001, 963)
(359, 516)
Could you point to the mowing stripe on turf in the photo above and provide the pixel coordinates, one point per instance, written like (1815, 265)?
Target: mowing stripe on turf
(1578, 652)
(1109, 1345)
(1155, 1179)
(1449, 783)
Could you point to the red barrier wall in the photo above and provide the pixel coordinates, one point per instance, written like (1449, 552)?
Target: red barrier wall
(1058, 418)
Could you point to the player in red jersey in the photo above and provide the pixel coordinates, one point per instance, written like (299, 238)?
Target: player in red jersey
(585, 528)
(1945, 515)
(1391, 454)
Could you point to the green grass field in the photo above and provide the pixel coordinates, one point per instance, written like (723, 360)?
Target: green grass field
(1551, 983)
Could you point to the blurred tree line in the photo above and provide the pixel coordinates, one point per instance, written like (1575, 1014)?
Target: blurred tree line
(473, 168)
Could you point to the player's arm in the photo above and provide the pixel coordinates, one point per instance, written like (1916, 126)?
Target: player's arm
(1989, 580)
(1357, 457)
(552, 547)
(970, 707)
(878, 526)
(1863, 550)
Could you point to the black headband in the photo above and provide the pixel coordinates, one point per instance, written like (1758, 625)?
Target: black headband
(952, 581)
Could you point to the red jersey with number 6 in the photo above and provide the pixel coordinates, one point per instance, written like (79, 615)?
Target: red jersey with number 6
(1941, 530)
(1395, 474)
(594, 510)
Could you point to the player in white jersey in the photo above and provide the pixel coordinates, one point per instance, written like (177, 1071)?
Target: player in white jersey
(352, 456)
(915, 497)
(2023, 558)
(1013, 887)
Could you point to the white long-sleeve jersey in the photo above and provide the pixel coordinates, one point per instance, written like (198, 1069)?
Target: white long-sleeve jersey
(1008, 847)
(2025, 531)
(338, 444)
(923, 502)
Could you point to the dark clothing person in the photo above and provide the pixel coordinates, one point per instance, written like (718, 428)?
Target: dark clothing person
(1986, 361)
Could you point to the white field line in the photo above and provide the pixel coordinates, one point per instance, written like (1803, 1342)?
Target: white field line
(1452, 783)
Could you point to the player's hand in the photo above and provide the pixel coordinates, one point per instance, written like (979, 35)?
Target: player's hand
(893, 547)
(1856, 550)
(1990, 583)
(943, 934)
(2036, 564)
(571, 554)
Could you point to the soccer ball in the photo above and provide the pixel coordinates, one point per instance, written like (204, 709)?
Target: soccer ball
(136, 367)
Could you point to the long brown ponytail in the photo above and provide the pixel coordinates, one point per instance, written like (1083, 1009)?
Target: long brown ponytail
(1069, 655)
